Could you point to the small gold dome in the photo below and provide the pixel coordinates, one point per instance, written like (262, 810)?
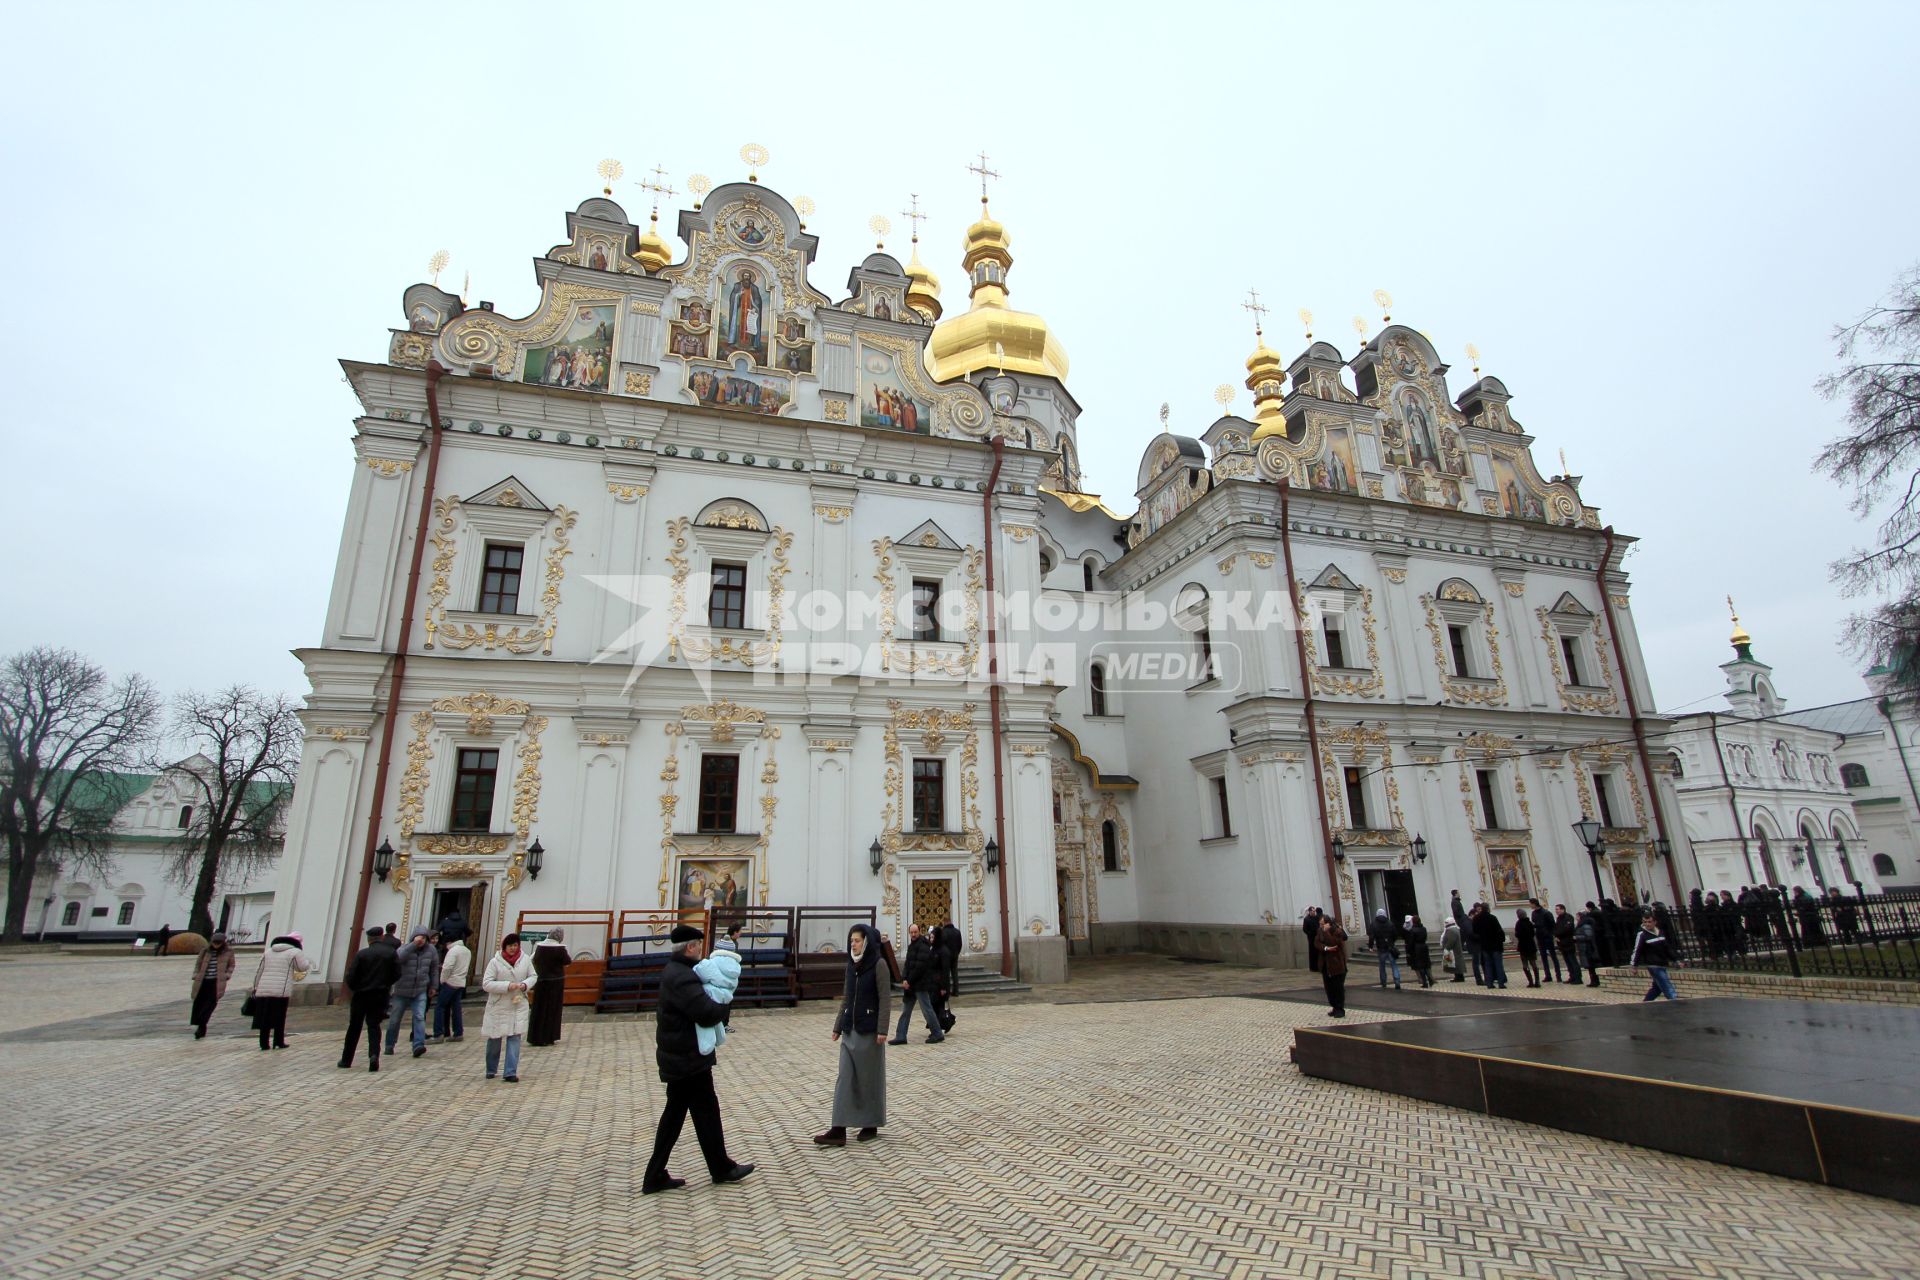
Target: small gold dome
(990, 334)
(653, 253)
(923, 287)
(1739, 639)
(1268, 382)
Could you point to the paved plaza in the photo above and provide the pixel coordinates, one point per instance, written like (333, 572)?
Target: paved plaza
(1142, 1121)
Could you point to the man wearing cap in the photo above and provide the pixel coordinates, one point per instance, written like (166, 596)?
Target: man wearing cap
(688, 1073)
(370, 977)
(419, 971)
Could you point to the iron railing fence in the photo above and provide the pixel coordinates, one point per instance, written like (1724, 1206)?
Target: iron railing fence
(1863, 936)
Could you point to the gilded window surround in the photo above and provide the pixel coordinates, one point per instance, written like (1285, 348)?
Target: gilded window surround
(933, 725)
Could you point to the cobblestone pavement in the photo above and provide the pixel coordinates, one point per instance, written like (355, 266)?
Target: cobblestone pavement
(1148, 1137)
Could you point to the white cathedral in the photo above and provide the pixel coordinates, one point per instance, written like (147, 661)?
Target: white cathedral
(697, 586)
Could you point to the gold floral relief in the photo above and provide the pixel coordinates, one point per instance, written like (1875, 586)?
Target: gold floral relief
(749, 653)
(1490, 692)
(413, 783)
(912, 659)
(1600, 701)
(1330, 682)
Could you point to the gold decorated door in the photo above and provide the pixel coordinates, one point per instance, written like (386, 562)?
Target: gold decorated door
(932, 901)
(1626, 890)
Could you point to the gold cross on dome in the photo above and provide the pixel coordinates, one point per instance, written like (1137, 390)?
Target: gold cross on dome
(658, 186)
(1257, 307)
(985, 173)
(912, 212)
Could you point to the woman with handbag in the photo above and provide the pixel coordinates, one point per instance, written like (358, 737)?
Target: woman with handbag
(281, 965)
(210, 974)
(860, 1094)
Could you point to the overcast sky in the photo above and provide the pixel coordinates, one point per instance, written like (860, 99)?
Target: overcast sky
(1647, 217)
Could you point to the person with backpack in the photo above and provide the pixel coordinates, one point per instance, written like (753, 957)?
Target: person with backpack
(1381, 937)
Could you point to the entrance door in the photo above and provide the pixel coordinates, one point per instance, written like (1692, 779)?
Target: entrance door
(1401, 899)
(447, 901)
(1373, 894)
(476, 913)
(1626, 890)
(932, 901)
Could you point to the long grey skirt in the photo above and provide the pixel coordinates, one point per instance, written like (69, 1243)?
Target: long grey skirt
(860, 1094)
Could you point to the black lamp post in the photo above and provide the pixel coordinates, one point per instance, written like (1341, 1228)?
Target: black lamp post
(1587, 831)
(1419, 848)
(993, 854)
(875, 855)
(536, 858)
(1339, 849)
(383, 860)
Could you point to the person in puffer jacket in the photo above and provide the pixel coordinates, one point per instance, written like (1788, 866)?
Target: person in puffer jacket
(719, 975)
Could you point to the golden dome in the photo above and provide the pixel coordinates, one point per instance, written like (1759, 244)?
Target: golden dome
(653, 253)
(923, 287)
(1268, 382)
(1739, 638)
(990, 334)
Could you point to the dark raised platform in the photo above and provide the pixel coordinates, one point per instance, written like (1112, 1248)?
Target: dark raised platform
(1816, 1090)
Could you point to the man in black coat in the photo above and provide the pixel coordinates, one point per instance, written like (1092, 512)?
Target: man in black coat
(1463, 918)
(687, 1072)
(1543, 934)
(921, 975)
(952, 944)
(1492, 937)
(370, 977)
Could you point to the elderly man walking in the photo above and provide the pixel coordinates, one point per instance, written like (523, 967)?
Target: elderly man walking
(419, 974)
(687, 1072)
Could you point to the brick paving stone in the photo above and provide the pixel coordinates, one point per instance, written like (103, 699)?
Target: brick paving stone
(1127, 1128)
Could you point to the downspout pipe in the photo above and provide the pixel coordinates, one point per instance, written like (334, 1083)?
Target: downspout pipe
(397, 675)
(1633, 709)
(1306, 688)
(1733, 804)
(993, 708)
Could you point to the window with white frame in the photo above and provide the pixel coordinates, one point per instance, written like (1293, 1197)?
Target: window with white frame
(1193, 613)
(935, 593)
(1215, 805)
(1487, 783)
(1604, 798)
(1098, 699)
(126, 915)
(71, 916)
(728, 549)
(1460, 619)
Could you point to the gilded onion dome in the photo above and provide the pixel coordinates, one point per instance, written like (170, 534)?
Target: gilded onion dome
(1739, 639)
(990, 334)
(1268, 382)
(923, 287)
(654, 252)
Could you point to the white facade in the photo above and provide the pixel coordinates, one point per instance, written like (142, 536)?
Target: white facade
(640, 439)
(137, 893)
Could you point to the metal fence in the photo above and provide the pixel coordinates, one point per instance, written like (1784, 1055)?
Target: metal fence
(1863, 936)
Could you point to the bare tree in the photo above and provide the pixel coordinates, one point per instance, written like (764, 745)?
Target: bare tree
(243, 747)
(69, 737)
(1879, 456)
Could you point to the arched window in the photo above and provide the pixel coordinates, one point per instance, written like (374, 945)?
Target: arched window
(1194, 615)
(1046, 563)
(71, 916)
(1882, 865)
(1087, 572)
(1673, 763)
(1110, 845)
(126, 914)
(1097, 689)
(1812, 848)
(186, 816)
(1853, 775)
(1766, 857)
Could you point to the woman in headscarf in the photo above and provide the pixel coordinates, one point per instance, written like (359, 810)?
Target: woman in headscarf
(210, 974)
(1419, 954)
(860, 1094)
(550, 961)
(281, 965)
(508, 979)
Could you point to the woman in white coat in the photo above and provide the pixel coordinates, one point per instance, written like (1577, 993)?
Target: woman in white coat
(282, 964)
(508, 978)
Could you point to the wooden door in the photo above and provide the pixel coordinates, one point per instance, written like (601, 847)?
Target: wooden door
(932, 901)
(477, 940)
(1626, 890)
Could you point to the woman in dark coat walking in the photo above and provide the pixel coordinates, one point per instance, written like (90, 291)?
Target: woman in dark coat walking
(210, 974)
(860, 1094)
(1310, 925)
(550, 961)
(1419, 955)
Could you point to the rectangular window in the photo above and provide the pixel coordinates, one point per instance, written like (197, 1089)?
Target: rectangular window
(473, 789)
(1203, 641)
(1570, 650)
(727, 598)
(1488, 809)
(126, 914)
(1457, 642)
(926, 608)
(1356, 786)
(500, 584)
(1109, 847)
(929, 795)
(1603, 798)
(1224, 814)
(719, 792)
(1336, 640)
